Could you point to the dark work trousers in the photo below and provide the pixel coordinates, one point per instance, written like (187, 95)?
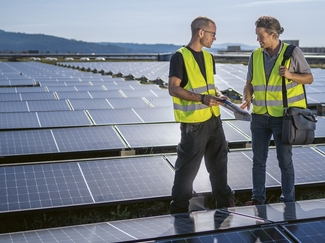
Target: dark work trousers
(197, 140)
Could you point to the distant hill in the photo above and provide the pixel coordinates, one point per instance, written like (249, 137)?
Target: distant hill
(22, 42)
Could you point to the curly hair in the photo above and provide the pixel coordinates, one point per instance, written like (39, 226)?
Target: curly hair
(271, 25)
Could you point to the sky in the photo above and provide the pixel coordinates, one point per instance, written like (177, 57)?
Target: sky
(162, 21)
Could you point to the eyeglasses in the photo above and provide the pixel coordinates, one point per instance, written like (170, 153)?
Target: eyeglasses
(211, 32)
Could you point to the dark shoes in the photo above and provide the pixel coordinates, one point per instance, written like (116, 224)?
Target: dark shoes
(252, 202)
(226, 202)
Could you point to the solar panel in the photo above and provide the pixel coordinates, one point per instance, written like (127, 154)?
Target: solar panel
(13, 106)
(233, 135)
(10, 97)
(87, 139)
(160, 101)
(161, 92)
(143, 229)
(226, 114)
(156, 114)
(8, 90)
(38, 96)
(114, 116)
(128, 179)
(88, 104)
(139, 93)
(18, 120)
(22, 82)
(63, 95)
(285, 212)
(242, 127)
(27, 142)
(106, 94)
(48, 105)
(42, 186)
(89, 88)
(135, 102)
(307, 231)
(61, 88)
(239, 174)
(30, 89)
(267, 234)
(63, 118)
(150, 135)
(303, 174)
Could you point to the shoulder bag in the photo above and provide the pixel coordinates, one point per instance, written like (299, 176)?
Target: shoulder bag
(299, 124)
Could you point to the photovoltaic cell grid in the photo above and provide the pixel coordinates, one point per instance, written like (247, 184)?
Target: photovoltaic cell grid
(127, 179)
(15, 120)
(115, 116)
(307, 231)
(87, 104)
(42, 186)
(87, 139)
(150, 135)
(63, 118)
(140, 230)
(312, 173)
(24, 142)
(239, 173)
(285, 211)
(26, 187)
(27, 142)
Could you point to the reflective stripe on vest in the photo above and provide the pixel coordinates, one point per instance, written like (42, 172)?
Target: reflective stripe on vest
(191, 111)
(268, 95)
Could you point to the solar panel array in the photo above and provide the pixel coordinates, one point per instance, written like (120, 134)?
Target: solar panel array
(278, 222)
(53, 110)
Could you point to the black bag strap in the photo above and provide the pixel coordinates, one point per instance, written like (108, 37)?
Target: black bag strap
(287, 54)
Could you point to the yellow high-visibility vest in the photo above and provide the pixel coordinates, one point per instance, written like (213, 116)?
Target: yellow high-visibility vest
(268, 95)
(191, 111)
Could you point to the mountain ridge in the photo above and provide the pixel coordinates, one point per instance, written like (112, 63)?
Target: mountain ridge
(22, 42)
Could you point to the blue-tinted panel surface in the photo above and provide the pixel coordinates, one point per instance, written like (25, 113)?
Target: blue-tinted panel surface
(285, 212)
(160, 101)
(307, 231)
(128, 179)
(13, 106)
(239, 174)
(10, 97)
(232, 134)
(48, 105)
(38, 96)
(270, 235)
(114, 116)
(139, 93)
(151, 135)
(87, 139)
(27, 142)
(157, 114)
(106, 94)
(120, 103)
(303, 174)
(18, 120)
(88, 104)
(63, 95)
(63, 118)
(42, 186)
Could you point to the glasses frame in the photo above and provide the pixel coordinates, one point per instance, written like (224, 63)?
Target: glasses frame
(211, 32)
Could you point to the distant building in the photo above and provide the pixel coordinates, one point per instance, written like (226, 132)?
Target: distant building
(233, 48)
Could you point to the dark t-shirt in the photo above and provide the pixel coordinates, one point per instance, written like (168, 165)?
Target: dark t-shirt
(177, 65)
